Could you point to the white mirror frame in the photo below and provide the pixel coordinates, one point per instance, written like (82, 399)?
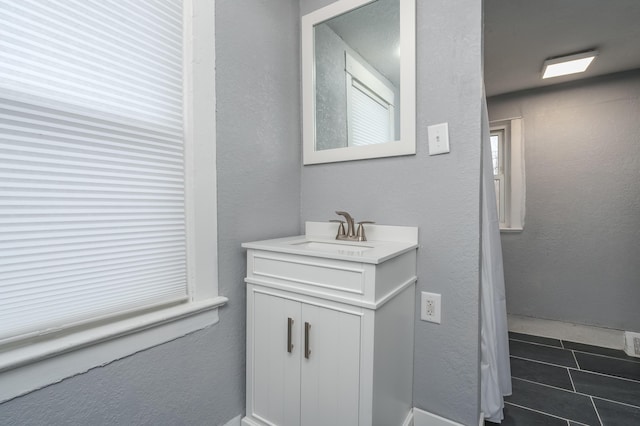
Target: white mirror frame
(407, 143)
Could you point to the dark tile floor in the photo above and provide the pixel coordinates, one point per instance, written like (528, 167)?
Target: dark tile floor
(562, 383)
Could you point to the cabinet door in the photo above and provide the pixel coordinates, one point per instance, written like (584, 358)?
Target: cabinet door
(331, 369)
(276, 363)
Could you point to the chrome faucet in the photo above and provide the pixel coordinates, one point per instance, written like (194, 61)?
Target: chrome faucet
(350, 231)
(350, 234)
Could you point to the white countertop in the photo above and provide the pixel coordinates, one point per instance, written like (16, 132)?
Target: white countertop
(322, 243)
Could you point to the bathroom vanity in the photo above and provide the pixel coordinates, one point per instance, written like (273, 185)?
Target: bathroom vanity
(330, 328)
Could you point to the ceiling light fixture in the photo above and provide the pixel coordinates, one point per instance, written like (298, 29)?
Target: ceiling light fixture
(569, 64)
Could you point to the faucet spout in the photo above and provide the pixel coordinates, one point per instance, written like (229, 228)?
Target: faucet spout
(350, 227)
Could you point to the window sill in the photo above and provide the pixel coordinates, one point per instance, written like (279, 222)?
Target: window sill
(28, 368)
(510, 230)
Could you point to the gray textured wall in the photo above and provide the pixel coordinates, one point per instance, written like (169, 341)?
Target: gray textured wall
(440, 194)
(199, 379)
(578, 258)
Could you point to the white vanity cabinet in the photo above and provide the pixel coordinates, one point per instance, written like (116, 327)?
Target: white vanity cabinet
(329, 331)
(311, 377)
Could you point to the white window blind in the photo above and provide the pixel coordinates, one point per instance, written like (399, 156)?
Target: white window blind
(370, 100)
(370, 117)
(92, 209)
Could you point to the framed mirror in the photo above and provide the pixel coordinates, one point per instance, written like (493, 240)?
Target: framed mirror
(358, 81)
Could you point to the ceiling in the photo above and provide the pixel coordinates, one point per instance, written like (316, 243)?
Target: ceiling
(373, 31)
(520, 34)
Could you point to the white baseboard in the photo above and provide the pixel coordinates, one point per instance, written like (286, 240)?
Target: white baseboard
(424, 418)
(408, 421)
(234, 421)
(590, 335)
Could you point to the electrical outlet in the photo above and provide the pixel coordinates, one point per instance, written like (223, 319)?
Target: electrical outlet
(632, 343)
(430, 307)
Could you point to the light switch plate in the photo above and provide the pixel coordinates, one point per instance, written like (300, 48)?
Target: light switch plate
(438, 138)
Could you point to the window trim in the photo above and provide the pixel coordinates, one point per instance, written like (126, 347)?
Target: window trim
(514, 173)
(28, 367)
(501, 177)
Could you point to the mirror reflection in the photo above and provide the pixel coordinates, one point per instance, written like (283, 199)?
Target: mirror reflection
(357, 77)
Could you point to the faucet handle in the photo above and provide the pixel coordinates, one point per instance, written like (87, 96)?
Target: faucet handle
(360, 233)
(341, 231)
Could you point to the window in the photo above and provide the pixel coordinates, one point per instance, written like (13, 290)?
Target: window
(507, 151)
(105, 234)
(370, 105)
(497, 155)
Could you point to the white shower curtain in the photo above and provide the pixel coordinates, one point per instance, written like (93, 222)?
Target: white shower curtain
(495, 371)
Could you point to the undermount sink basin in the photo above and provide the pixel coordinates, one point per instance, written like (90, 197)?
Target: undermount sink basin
(340, 248)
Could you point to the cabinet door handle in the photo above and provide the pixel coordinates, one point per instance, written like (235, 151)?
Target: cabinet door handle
(289, 327)
(307, 351)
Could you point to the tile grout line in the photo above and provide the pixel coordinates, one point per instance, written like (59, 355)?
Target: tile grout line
(597, 373)
(608, 375)
(553, 387)
(542, 412)
(596, 409)
(535, 343)
(576, 350)
(576, 393)
(606, 356)
(597, 354)
(541, 362)
(576, 360)
(626, 404)
(548, 386)
(571, 379)
(574, 368)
